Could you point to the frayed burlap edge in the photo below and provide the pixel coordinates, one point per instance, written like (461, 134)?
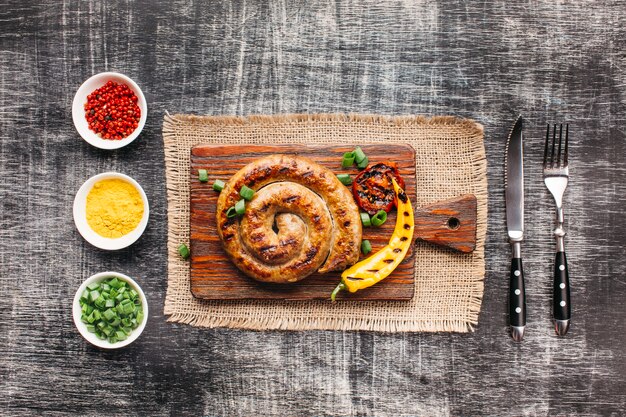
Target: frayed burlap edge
(178, 267)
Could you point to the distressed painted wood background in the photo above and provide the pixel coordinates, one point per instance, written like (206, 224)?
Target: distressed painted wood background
(549, 60)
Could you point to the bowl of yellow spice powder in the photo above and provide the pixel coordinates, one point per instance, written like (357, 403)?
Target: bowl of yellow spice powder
(111, 210)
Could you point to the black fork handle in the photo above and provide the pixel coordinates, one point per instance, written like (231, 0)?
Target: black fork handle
(561, 299)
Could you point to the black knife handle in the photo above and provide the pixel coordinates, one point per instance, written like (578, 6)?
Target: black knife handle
(561, 300)
(517, 294)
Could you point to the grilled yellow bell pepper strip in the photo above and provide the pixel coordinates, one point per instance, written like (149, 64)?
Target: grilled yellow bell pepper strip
(378, 266)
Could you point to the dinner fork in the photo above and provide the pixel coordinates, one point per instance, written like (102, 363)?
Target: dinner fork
(555, 176)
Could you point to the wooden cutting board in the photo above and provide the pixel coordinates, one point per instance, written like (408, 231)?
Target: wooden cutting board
(214, 277)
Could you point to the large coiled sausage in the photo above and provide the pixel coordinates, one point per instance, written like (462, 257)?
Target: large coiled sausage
(300, 220)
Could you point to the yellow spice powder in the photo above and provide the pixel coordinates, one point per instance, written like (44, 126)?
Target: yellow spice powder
(114, 208)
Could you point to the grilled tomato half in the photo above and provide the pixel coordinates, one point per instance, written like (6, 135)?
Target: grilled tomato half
(373, 189)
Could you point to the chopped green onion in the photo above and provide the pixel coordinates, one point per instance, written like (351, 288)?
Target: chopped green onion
(115, 283)
(203, 176)
(379, 218)
(365, 219)
(359, 155)
(100, 301)
(246, 193)
(366, 247)
(348, 160)
(363, 164)
(218, 185)
(345, 179)
(230, 213)
(93, 295)
(128, 308)
(111, 313)
(184, 252)
(240, 207)
(91, 318)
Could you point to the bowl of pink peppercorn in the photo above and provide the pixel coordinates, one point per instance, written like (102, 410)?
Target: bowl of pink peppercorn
(109, 110)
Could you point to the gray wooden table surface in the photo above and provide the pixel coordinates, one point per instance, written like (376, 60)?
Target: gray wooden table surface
(550, 61)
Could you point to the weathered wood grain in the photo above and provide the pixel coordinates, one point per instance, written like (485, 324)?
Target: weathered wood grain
(552, 61)
(214, 277)
(450, 223)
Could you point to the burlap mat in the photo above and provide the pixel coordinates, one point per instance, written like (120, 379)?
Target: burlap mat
(450, 160)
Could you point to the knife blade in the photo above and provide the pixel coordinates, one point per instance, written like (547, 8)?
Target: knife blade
(514, 197)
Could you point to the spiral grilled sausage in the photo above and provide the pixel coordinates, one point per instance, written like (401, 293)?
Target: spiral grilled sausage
(300, 220)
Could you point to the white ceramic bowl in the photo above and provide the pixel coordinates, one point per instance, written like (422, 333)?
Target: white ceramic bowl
(82, 327)
(78, 109)
(80, 214)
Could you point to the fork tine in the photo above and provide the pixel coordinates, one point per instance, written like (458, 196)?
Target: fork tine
(545, 150)
(566, 140)
(553, 143)
(558, 157)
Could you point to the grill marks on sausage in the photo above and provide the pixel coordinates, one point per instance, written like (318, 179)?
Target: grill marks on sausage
(288, 242)
(257, 237)
(290, 199)
(308, 257)
(257, 174)
(267, 248)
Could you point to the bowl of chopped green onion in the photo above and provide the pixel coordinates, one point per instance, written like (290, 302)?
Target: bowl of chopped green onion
(110, 310)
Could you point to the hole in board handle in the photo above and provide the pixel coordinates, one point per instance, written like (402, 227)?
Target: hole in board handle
(453, 223)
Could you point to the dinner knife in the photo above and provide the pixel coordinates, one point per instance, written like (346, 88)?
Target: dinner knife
(514, 193)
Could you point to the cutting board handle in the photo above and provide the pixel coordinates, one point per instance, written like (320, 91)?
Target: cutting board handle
(450, 223)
